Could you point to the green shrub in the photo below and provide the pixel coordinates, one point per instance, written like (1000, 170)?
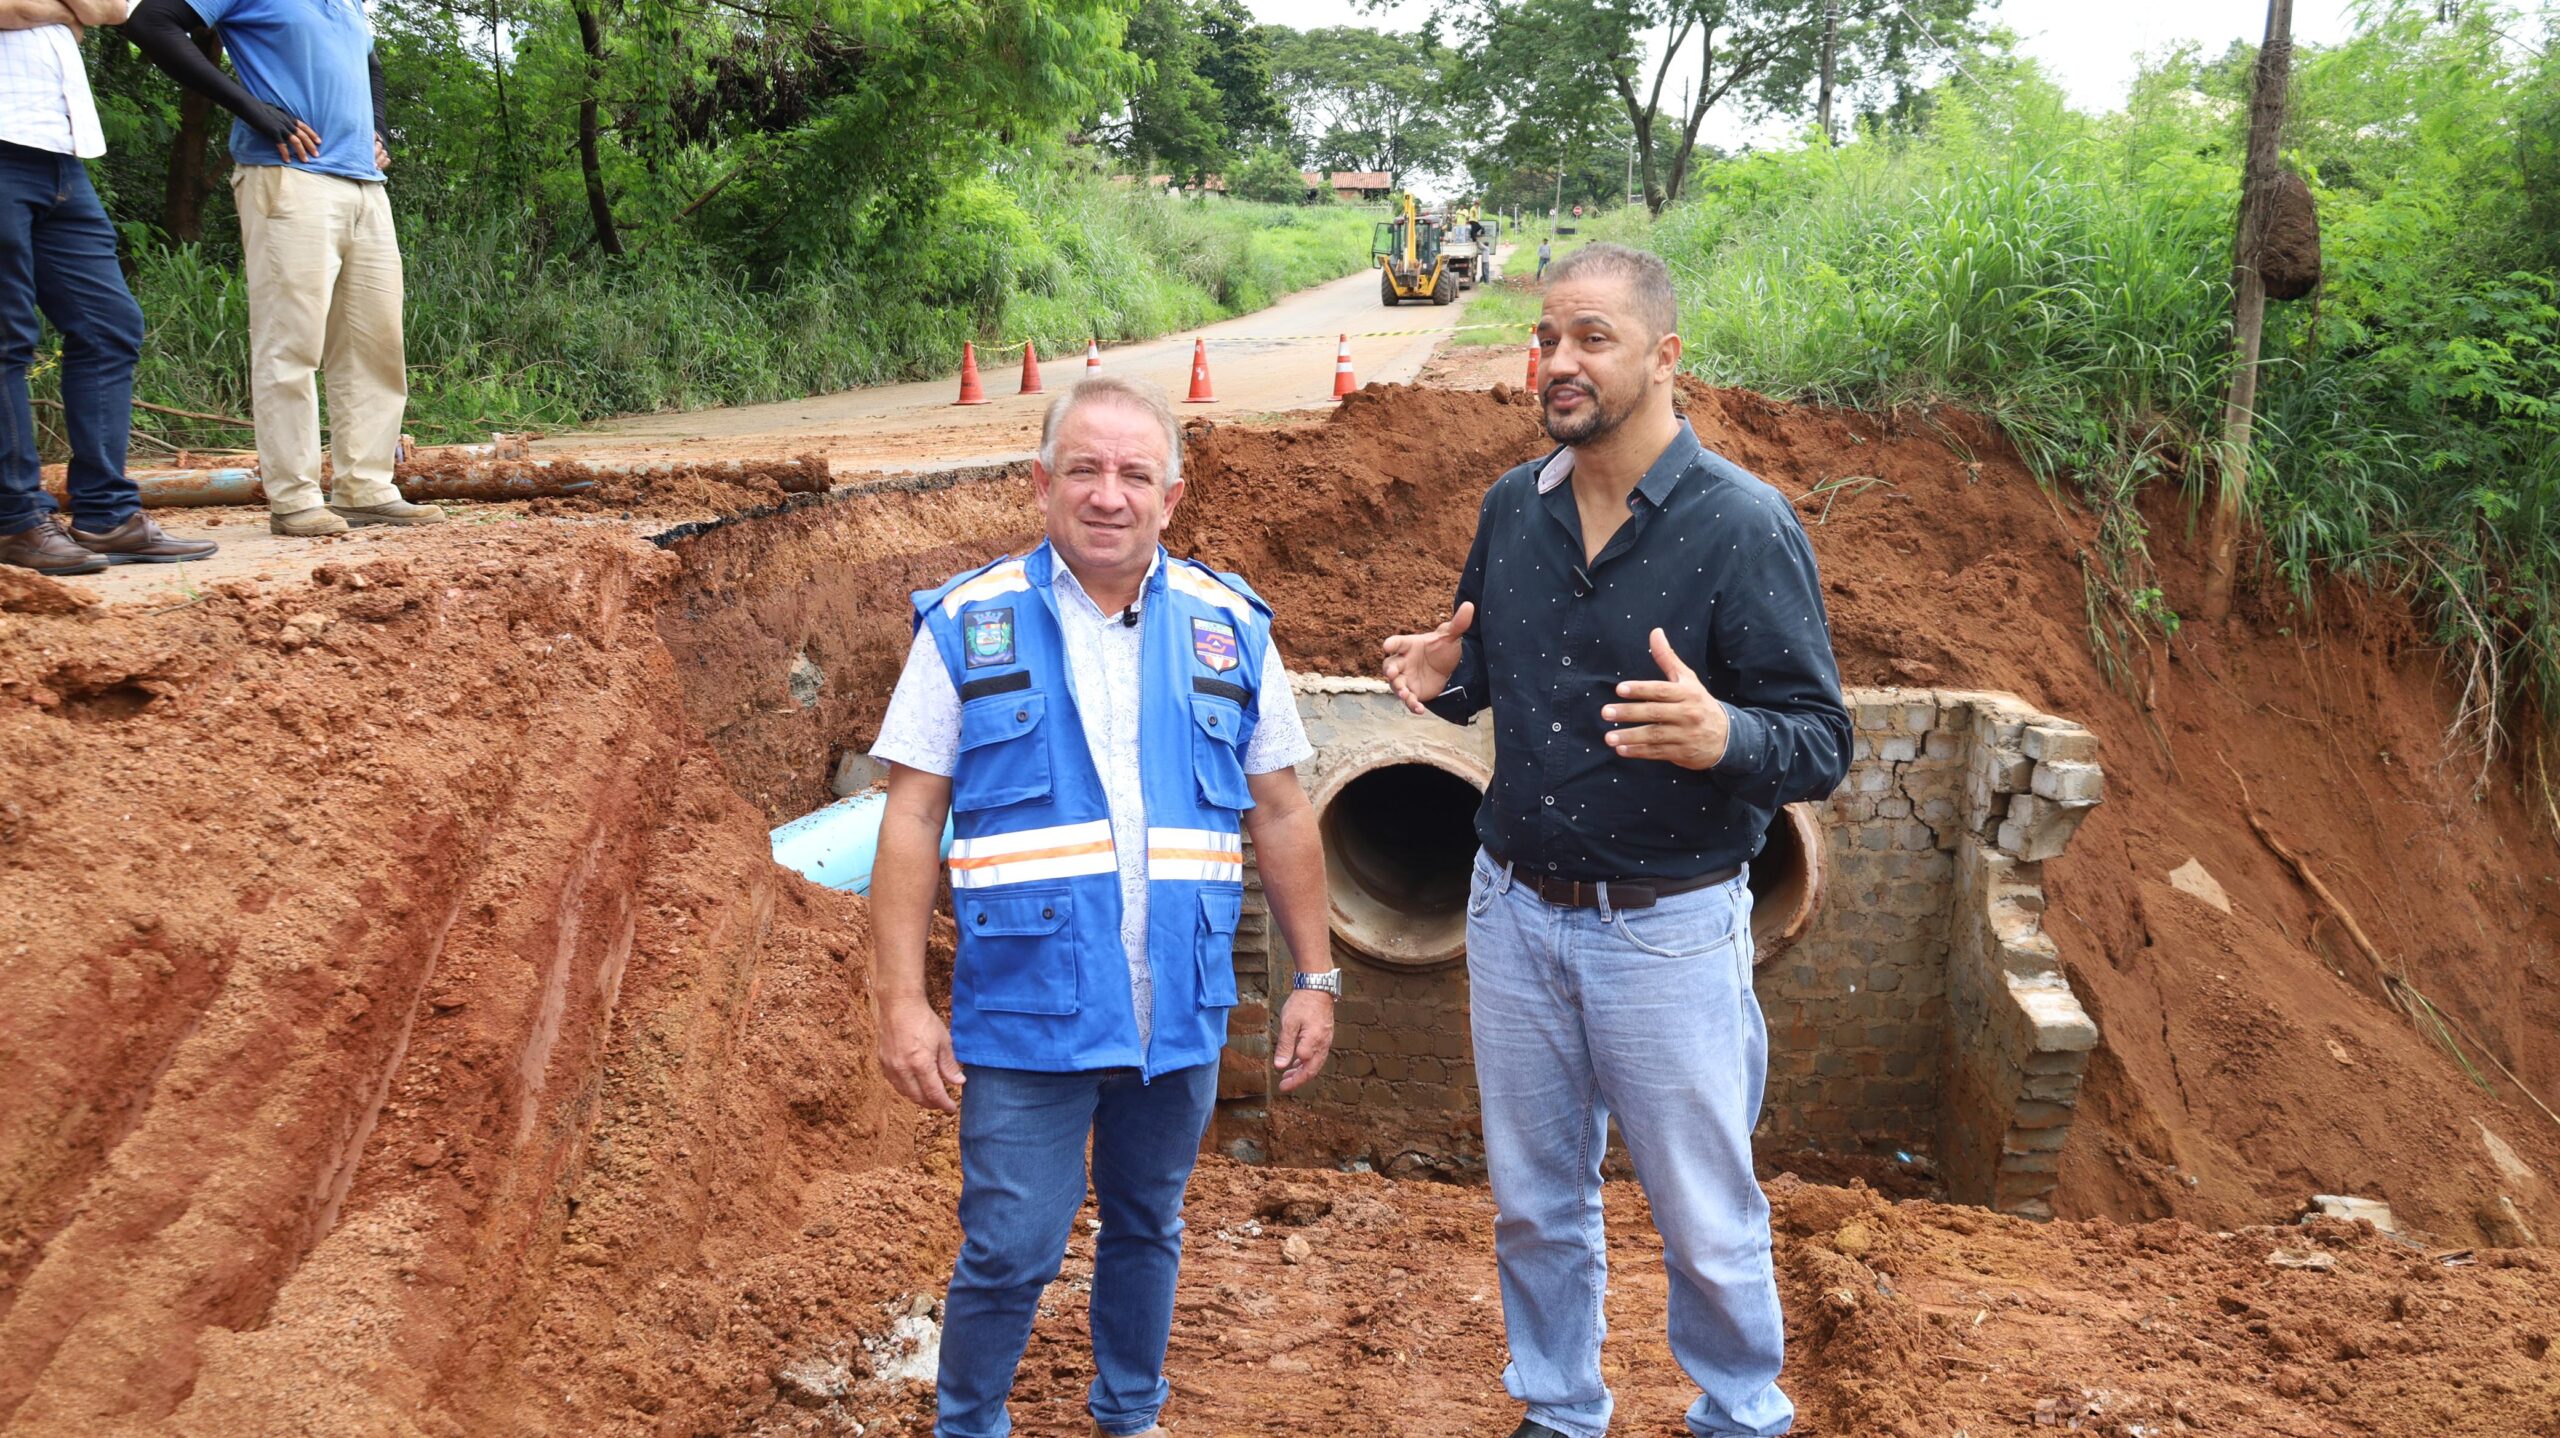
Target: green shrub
(2070, 277)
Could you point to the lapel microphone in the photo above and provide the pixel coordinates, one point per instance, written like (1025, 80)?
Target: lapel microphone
(1129, 617)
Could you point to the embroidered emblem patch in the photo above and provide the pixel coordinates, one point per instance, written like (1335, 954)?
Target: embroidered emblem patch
(1215, 643)
(989, 635)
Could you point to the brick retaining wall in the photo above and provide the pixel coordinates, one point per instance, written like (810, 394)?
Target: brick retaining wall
(1923, 1011)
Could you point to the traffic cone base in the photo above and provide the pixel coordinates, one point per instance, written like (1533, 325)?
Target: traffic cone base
(1030, 368)
(1200, 375)
(971, 391)
(1343, 381)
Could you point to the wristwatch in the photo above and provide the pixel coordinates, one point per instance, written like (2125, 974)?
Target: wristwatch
(1328, 982)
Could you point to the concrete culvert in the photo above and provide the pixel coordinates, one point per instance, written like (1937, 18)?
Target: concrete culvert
(1786, 881)
(1399, 843)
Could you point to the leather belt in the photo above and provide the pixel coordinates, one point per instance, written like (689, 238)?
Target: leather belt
(1623, 893)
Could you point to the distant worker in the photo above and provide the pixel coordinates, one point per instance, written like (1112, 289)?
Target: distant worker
(58, 257)
(1546, 253)
(1644, 619)
(317, 248)
(1103, 723)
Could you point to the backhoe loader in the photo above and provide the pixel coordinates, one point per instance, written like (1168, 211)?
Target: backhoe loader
(1410, 266)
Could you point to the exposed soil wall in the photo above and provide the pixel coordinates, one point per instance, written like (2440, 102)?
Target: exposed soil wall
(2250, 1059)
(402, 1029)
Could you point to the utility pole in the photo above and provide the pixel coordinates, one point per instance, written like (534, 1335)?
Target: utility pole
(1830, 48)
(2248, 306)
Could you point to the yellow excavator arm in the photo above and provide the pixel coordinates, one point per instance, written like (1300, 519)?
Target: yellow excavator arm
(1409, 263)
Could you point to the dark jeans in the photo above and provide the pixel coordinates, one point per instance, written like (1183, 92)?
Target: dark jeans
(58, 255)
(1022, 1150)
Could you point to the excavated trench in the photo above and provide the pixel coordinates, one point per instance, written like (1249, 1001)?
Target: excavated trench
(795, 625)
(433, 1047)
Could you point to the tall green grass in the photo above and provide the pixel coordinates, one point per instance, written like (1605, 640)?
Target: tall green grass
(2069, 277)
(504, 333)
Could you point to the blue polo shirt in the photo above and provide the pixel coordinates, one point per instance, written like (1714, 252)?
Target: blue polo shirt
(309, 56)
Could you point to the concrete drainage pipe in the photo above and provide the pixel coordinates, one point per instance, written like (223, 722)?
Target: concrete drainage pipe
(1395, 799)
(1786, 881)
(1399, 831)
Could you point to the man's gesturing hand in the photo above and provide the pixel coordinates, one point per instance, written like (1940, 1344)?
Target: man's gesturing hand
(915, 1052)
(1676, 720)
(1418, 665)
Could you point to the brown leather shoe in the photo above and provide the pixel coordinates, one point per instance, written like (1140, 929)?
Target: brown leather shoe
(139, 541)
(45, 548)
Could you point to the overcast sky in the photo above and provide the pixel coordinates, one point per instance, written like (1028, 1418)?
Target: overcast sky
(2091, 46)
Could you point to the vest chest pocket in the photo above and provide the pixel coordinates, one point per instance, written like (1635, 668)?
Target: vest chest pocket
(1017, 951)
(1004, 752)
(1217, 732)
(1219, 910)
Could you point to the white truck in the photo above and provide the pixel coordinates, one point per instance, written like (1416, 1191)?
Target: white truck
(1468, 240)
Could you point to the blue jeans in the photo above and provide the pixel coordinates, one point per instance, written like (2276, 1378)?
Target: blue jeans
(1646, 1014)
(58, 255)
(1022, 1152)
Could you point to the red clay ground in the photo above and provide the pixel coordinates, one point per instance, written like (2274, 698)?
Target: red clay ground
(402, 1029)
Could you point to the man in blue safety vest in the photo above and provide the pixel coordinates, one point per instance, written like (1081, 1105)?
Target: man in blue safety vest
(1102, 724)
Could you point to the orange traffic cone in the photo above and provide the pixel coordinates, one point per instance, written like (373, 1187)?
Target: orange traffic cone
(1343, 383)
(1092, 358)
(1030, 368)
(1533, 361)
(1200, 375)
(971, 392)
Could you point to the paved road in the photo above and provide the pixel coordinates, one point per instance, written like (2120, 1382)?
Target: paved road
(1275, 359)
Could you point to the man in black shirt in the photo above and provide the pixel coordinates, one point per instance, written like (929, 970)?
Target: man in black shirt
(1645, 621)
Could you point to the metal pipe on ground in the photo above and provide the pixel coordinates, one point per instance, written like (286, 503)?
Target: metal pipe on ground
(485, 479)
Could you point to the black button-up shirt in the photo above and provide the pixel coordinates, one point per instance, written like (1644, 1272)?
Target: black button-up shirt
(1715, 559)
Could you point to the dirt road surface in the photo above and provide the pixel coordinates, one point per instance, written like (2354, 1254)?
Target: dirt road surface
(1276, 359)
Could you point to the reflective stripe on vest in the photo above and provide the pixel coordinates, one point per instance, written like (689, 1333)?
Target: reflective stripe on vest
(1059, 851)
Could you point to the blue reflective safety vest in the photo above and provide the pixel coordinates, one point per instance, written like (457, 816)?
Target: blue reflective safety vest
(1041, 980)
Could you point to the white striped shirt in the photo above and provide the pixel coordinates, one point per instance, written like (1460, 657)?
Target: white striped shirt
(44, 93)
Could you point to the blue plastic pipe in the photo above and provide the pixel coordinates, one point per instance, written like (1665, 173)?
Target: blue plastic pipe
(835, 845)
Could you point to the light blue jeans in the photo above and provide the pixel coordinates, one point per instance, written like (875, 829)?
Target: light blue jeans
(1022, 1175)
(1648, 1015)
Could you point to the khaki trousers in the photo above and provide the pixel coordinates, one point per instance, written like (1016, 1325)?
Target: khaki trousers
(323, 268)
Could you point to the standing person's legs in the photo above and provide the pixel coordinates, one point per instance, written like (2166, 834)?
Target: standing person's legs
(26, 188)
(293, 229)
(1681, 1053)
(1022, 1137)
(366, 359)
(1146, 1137)
(1544, 1133)
(81, 289)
